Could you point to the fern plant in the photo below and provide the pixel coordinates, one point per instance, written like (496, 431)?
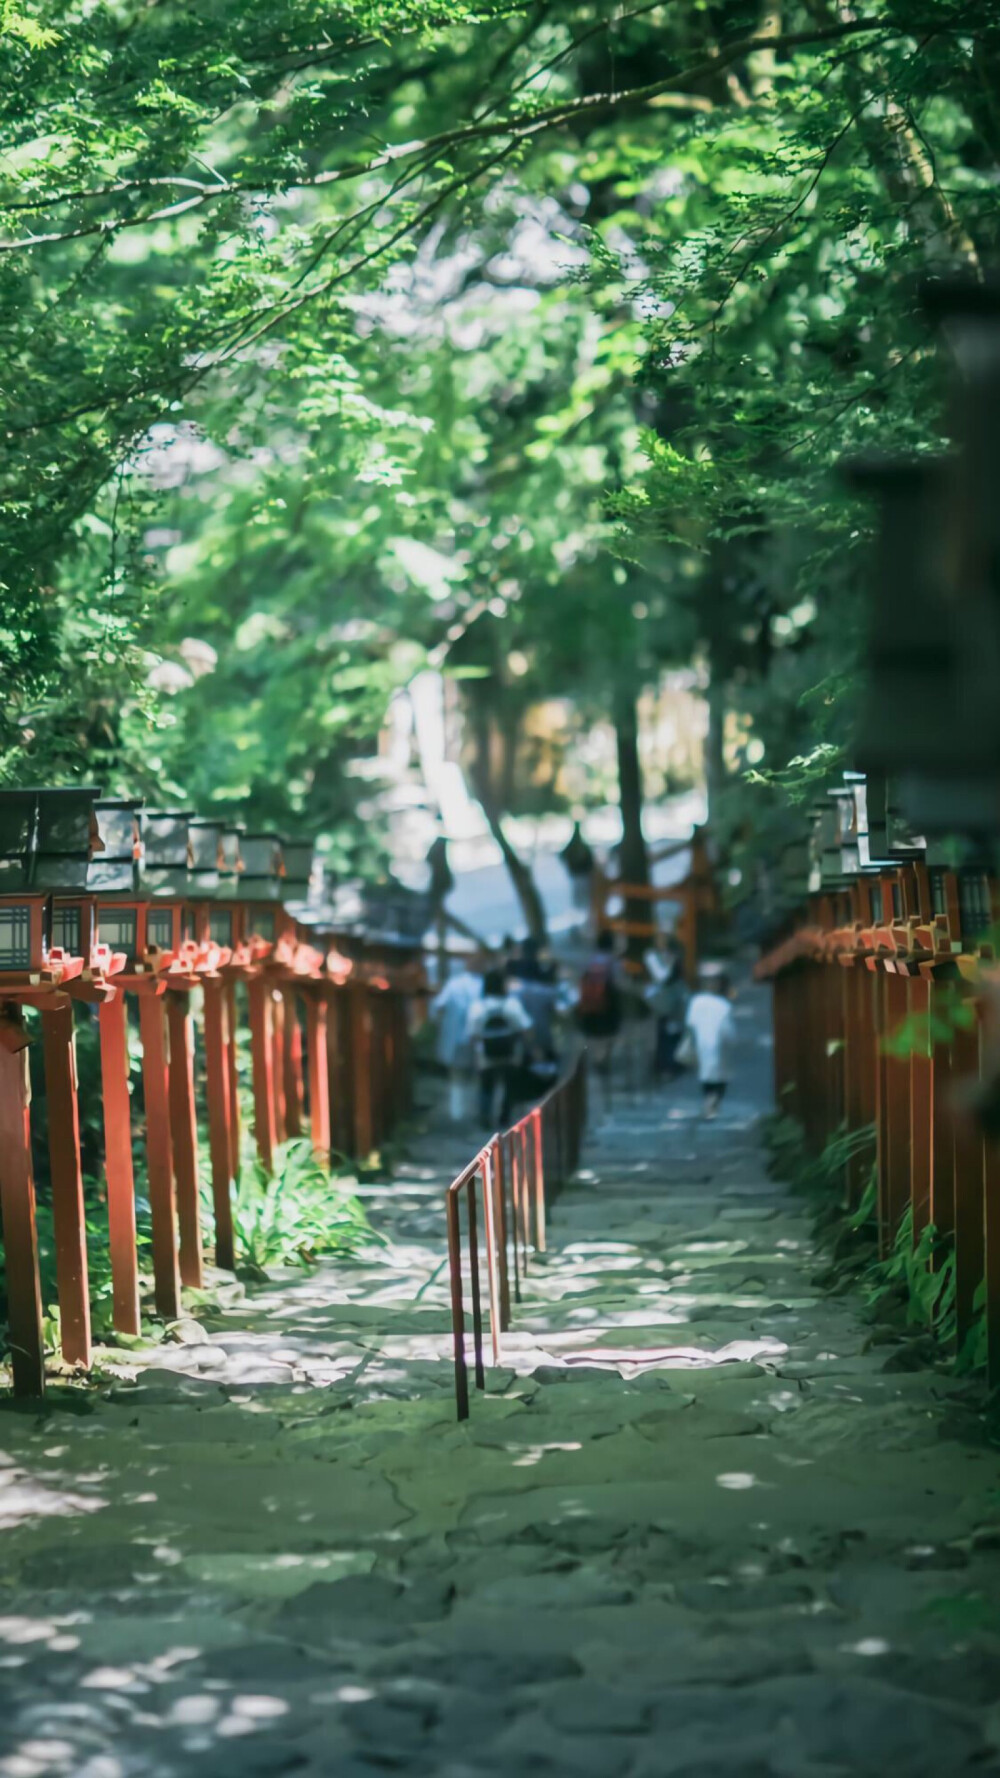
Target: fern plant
(296, 1214)
(916, 1274)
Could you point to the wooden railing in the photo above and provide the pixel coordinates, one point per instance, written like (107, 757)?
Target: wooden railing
(349, 1078)
(885, 1015)
(515, 1177)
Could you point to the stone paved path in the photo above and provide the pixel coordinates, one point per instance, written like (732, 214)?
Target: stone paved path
(760, 1550)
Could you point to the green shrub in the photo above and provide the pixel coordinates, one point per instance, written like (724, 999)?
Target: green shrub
(295, 1214)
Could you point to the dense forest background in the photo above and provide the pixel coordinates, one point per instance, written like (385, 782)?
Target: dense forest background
(523, 339)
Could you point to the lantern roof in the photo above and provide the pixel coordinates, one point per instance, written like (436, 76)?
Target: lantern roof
(263, 868)
(208, 869)
(114, 870)
(46, 839)
(302, 868)
(166, 852)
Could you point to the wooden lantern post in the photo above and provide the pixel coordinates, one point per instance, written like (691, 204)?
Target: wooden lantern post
(300, 868)
(45, 843)
(166, 840)
(315, 989)
(262, 921)
(135, 917)
(213, 872)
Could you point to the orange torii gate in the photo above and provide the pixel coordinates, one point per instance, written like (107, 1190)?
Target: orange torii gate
(695, 897)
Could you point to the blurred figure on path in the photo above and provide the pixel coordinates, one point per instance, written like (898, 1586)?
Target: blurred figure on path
(525, 962)
(450, 1010)
(497, 1029)
(508, 951)
(667, 998)
(545, 1000)
(579, 861)
(600, 1006)
(710, 1021)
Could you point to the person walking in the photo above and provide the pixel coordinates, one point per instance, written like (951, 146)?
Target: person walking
(497, 1029)
(667, 998)
(710, 1022)
(600, 1007)
(450, 1011)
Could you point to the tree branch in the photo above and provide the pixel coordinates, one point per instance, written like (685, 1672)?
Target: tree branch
(518, 129)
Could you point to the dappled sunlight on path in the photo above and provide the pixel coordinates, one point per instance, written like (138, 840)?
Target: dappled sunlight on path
(699, 1523)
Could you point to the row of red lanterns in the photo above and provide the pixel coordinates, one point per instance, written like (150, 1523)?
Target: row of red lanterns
(101, 900)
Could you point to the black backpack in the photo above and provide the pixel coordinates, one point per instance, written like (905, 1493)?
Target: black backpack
(498, 1037)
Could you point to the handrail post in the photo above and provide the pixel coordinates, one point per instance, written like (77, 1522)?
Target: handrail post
(499, 1187)
(457, 1306)
(539, 1177)
(490, 1237)
(474, 1285)
(522, 1136)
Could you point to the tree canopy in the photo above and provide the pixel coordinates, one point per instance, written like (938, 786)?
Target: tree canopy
(340, 337)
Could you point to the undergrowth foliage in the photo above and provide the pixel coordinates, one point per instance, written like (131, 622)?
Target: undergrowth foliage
(295, 1214)
(913, 1285)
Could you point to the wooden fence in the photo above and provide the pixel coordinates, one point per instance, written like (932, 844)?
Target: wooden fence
(327, 1017)
(884, 1015)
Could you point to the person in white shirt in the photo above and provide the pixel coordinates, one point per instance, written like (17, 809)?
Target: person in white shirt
(450, 1011)
(710, 1021)
(497, 1029)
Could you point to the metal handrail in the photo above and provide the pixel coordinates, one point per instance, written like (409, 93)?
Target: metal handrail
(516, 1175)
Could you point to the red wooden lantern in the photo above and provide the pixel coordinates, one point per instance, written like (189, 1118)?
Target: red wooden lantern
(46, 838)
(215, 861)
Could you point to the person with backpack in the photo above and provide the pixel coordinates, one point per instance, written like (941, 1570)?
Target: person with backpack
(498, 1027)
(450, 1012)
(599, 1005)
(600, 1008)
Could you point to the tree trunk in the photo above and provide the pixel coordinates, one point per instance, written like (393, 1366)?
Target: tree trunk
(481, 774)
(522, 881)
(715, 761)
(634, 857)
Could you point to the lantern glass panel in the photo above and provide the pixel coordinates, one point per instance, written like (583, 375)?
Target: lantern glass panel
(263, 923)
(15, 936)
(974, 904)
(66, 930)
(897, 902)
(939, 897)
(877, 912)
(116, 927)
(160, 928)
(220, 926)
